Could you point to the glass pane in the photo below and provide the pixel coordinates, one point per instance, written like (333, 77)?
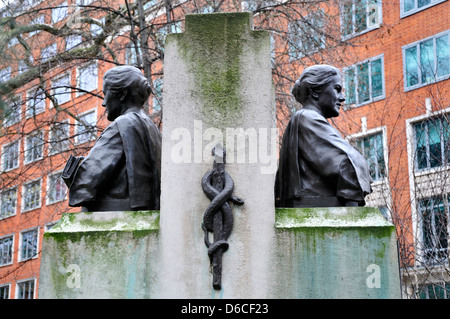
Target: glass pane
(373, 11)
(347, 17)
(380, 156)
(363, 83)
(421, 149)
(446, 137)
(427, 61)
(377, 79)
(434, 141)
(350, 94)
(412, 66)
(443, 56)
(421, 3)
(360, 15)
(408, 5)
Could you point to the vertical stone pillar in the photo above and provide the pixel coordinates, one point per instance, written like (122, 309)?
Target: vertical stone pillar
(217, 88)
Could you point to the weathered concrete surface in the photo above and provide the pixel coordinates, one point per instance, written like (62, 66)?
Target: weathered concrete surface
(101, 255)
(217, 88)
(336, 253)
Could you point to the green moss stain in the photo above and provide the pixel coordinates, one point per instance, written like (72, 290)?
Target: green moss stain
(212, 47)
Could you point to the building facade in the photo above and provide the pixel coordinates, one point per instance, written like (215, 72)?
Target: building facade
(395, 61)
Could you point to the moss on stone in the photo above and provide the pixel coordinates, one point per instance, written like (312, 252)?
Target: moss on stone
(212, 48)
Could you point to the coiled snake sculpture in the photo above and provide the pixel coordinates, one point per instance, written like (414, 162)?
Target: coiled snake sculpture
(218, 219)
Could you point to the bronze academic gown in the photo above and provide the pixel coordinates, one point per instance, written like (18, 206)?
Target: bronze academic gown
(317, 167)
(122, 171)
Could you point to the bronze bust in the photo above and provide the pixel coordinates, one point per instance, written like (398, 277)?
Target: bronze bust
(122, 170)
(317, 167)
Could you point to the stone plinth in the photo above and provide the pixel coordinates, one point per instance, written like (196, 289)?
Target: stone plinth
(336, 253)
(101, 255)
(217, 88)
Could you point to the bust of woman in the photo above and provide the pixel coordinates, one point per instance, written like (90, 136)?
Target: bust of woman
(317, 167)
(122, 170)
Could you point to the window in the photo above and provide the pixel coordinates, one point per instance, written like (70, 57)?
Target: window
(12, 114)
(48, 52)
(31, 196)
(86, 127)
(72, 41)
(97, 29)
(87, 78)
(253, 5)
(432, 143)
(8, 204)
(372, 149)
(61, 89)
(25, 289)
(306, 35)
(4, 292)
(59, 12)
(131, 53)
(28, 244)
(23, 64)
(56, 191)
(59, 138)
(5, 74)
(34, 146)
(157, 94)
(174, 27)
(36, 102)
(434, 221)
(150, 4)
(435, 291)
(38, 20)
(409, 7)
(6, 250)
(10, 156)
(364, 82)
(426, 61)
(358, 16)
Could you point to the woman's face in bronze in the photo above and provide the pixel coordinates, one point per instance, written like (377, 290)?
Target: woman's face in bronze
(112, 101)
(331, 98)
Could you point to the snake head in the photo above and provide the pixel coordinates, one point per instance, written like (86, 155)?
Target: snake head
(219, 153)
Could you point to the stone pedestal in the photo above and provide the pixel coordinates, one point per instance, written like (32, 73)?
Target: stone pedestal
(336, 253)
(101, 255)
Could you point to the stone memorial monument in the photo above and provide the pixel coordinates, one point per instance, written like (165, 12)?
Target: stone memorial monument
(218, 233)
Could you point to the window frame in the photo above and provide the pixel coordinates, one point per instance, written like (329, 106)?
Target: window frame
(419, 67)
(20, 258)
(36, 206)
(32, 96)
(78, 124)
(51, 144)
(62, 94)
(404, 14)
(27, 147)
(420, 213)
(15, 189)
(371, 98)
(16, 102)
(12, 248)
(49, 200)
(368, 28)
(3, 158)
(9, 289)
(80, 74)
(23, 281)
(296, 34)
(375, 131)
(415, 163)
